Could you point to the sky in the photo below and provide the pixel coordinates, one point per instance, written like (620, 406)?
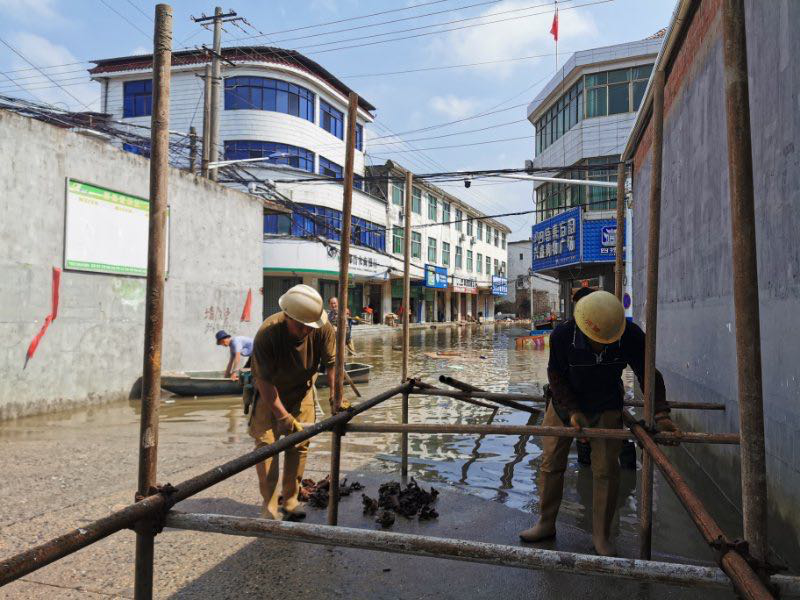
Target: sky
(64, 35)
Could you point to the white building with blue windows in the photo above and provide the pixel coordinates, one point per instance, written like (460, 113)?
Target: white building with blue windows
(279, 105)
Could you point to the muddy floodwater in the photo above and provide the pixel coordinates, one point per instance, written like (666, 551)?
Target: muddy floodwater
(497, 468)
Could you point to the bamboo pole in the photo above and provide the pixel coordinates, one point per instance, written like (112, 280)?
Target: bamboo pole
(341, 327)
(745, 280)
(619, 267)
(406, 315)
(154, 303)
(651, 310)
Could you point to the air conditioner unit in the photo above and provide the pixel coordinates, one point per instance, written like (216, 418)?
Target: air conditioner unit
(472, 241)
(462, 237)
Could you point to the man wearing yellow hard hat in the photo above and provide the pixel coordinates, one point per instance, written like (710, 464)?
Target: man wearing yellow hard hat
(287, 352)
(587, 356)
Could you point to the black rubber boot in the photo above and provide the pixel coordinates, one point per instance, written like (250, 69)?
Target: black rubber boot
(627, 456)
(584, 452)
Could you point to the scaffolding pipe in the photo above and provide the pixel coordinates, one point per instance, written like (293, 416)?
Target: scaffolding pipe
(744, 578)
(651, 312)
(470, 389)
(35, 558)
(745, 280)
(464, 550)
(619, 268)
(154, 304)
(406, 314)
(689, 437)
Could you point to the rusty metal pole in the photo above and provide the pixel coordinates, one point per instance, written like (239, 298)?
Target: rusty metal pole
(651, 312)
(745, 280)
(206, 121)
(406, 315)
(619, 267)
(192, 149)
(154, 304)
(341, 325)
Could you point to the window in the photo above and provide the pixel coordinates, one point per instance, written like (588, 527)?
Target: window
(495, 266)
(416, 244)
(416, 201)
(469, 225)
(479, 262)
(311, 221)
(397, 195)
(616, 92)
(432, 208)
(503, 242)
(639, 76)
(141, 148)
(137, 98)
(431, 250)
(359, 137)
(445, 254)
(358, 182)
(562, 116)
(503, 268)
(277, 224)
(488, 265)
(331, 120)
(496, 238)
(488, 235)
(282, 154)
(459, 218)
(445, 213)
(469, 261)
(480, 230)
(261, 93)
(459, 257)
(520, 256)
(397, 240)
(330, 169)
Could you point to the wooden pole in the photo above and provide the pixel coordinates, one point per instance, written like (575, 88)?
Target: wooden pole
(406, 314)
(745, 280)
(619, 267)
(651, 311)
(341, 326)
(154, 301)
(206, 120)
(216, 77)
(192, 149)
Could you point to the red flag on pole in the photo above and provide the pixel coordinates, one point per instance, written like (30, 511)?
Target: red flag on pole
(248, 303)
(554, 26)
(48, 319)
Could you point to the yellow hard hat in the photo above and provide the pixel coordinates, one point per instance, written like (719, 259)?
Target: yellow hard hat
(601, 317)
(304, 304)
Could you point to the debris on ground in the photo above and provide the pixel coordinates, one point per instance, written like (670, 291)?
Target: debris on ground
(346, 490)
(385, 518)
(370, 504)
(407, 502)
(317, 494)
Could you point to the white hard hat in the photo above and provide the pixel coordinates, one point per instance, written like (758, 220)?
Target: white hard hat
(601, 317)
(304, 304)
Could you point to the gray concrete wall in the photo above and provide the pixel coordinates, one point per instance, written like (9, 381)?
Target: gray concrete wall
(696, 328)
(93, 350)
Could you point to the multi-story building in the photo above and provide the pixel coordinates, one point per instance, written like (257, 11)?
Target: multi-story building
(281, 106)
(539, 291)
(582, 118)
(458, 255)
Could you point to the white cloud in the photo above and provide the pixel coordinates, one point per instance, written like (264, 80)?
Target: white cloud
(524, 33)
(453, 107)
(141, 50)
(41, 12)
(67, 71)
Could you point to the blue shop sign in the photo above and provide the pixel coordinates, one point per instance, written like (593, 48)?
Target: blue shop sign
(599, 240)
(557, 241)
(499, 286)
(435, 277)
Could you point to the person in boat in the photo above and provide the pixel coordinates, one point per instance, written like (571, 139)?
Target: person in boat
(587, 356)
(288, 350)
(240, 346)
(333, 317)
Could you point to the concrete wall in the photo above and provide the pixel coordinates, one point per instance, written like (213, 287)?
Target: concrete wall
(93, 350)
(696, 328)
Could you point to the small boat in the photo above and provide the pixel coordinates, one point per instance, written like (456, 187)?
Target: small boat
(359, 373)
(200, 383)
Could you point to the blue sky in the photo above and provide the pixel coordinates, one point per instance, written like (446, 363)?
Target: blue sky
(70, 32)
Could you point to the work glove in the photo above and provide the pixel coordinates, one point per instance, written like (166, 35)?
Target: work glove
(285, 425)
(296, 425)
(665, 425)
(579, 421)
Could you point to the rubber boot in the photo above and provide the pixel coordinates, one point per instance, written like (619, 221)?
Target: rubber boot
(268, 485)
(294, 465)
(584, 452)
(627, 456)
(545, 528)
(604, 505)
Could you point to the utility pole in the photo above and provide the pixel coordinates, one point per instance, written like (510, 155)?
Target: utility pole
(216, 76)
(192, 149)
(206, 119)
(154, 301)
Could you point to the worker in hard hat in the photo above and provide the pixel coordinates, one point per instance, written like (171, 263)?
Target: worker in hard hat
(587, 356)
(288, 350)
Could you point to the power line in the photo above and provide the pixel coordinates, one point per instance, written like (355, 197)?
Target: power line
(149, 36)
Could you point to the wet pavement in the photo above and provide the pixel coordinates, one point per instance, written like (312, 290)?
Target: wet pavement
(64, 469)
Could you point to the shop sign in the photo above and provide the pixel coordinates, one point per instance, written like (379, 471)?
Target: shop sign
(435, 277)
(464, 285)
(499, 286)
(599, 240)
(557, 241)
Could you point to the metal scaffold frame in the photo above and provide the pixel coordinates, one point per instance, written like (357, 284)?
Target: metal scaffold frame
(748, 573)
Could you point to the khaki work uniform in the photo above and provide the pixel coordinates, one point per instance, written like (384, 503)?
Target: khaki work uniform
(292, 368)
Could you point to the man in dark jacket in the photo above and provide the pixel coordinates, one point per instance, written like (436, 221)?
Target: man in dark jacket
(587, 356)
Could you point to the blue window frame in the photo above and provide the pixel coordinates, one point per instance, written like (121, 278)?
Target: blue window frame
(331, 169)
(262, 93)
(296, 157)
(359, 137)
(331, 120)
(137, 98)
(358, 182)
(141, 148)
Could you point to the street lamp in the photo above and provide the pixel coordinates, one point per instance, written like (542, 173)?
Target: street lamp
(226, 163)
